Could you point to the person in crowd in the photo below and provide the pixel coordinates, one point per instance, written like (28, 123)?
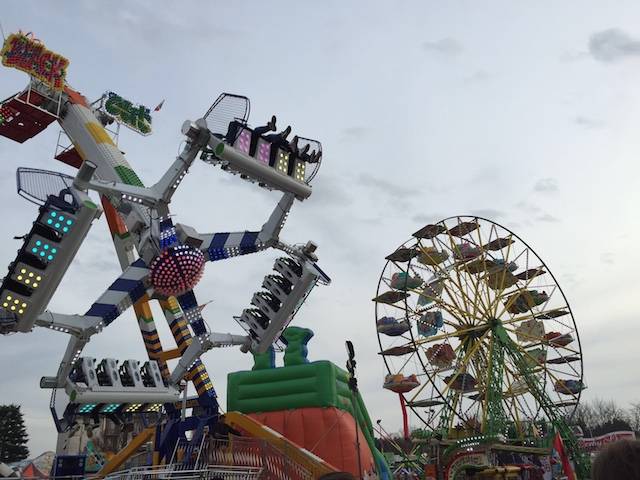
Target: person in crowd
(619, 460)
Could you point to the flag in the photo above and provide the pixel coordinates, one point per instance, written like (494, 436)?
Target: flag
(157, 109)
(560, 453)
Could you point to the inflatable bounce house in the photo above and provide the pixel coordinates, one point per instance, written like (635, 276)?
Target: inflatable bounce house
(309, 403)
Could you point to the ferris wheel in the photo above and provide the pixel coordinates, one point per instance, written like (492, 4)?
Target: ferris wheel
(475, 332)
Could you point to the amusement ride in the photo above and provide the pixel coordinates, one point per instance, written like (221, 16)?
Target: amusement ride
(478, 338)
(161, 261)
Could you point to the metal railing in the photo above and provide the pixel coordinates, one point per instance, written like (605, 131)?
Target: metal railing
(211, 472)
(275, 465)
(234, 459)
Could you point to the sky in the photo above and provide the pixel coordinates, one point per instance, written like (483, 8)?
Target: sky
(525, 113)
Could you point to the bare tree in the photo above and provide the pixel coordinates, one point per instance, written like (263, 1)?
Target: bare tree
(608, 411)
(600, 416)
(634, 416)
(585, 417)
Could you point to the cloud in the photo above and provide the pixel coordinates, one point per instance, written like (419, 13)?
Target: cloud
(330, 191)
(546, 185)
(527, 207)
(444, 46)
(428, 218)
(586, 122)
(546, 217)
(385, 186)
(478, 76)
(489, 213)
(570, 57)
(608, 258)
(613, 45)
(568, 278)
(354, 133)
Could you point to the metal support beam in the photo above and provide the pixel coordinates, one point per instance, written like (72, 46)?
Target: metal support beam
(77, 325)
(200, 345)
(270, 231)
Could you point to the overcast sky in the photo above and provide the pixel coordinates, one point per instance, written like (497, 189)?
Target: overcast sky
(526, 113)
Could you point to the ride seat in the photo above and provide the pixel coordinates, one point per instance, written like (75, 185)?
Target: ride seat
(240, 139)
(261, 150)
(232, 132)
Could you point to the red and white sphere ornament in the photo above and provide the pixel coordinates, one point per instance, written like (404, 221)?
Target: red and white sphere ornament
(176, 270)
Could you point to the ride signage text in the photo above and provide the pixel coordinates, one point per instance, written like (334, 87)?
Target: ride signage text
(31, 56)
(136, 117)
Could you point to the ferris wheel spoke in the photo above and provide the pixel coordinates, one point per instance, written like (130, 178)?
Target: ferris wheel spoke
(481, 285)
(513, 411)
(479, 306)
(453, 249)
(486, 378)
(528, 316)
(435, 373)
(475, 278)
(409, 358)
(498, 293)
(464, 314)
(456, 295)
(542, 367)
(464, 362)
(400, 307)
(570, 328)
(460, 293)
(445, 274)
(569, 364)
(513, 298)
(448, 335)
(460, 315)
(539, 341)
(559, 372)
(501, 289)
(521, 400)
(453, 309)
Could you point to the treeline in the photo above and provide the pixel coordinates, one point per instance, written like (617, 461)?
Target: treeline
(597, 417)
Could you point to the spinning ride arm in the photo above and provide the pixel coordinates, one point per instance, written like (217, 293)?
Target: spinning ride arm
(260, 172)
(223, 245)
(144, 236)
